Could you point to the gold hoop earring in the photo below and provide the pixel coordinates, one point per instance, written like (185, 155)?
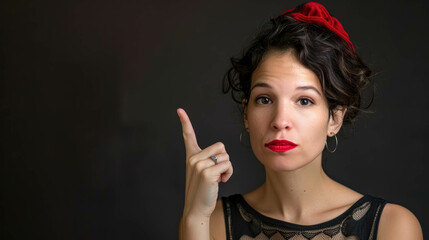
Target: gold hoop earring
(336, 144)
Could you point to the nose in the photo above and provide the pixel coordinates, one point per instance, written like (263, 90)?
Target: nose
(281, 118)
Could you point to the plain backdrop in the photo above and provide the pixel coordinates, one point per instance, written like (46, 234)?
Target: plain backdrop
(91, 146)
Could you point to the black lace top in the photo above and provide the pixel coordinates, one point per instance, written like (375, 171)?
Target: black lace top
(359, 222)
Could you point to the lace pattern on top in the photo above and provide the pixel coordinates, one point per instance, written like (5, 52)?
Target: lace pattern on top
(357, 223)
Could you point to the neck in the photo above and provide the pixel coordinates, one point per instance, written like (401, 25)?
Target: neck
(295, 194)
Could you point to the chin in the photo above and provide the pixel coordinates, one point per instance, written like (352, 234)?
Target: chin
(283, 163)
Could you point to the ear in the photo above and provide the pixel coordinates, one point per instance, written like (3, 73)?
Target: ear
(244, 105)
(336, 120)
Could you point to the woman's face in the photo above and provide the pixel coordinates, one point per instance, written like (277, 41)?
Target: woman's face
(286, 102)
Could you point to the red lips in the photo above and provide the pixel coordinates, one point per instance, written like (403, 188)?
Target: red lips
(280, 145)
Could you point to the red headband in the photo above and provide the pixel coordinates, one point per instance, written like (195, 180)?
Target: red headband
(313, 12)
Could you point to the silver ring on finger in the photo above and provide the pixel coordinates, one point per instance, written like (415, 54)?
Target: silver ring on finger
(214, 158)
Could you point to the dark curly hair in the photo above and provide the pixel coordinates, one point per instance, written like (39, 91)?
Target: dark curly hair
(341, 71)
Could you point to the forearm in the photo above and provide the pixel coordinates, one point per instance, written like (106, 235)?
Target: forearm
(192, 228)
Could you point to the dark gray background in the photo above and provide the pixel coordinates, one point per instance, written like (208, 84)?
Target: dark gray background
(91, 144)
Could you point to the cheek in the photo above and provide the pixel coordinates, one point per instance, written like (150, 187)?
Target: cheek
(315, 132)
(255, 124)
(258, 127)
(251, 117)
(316, 124)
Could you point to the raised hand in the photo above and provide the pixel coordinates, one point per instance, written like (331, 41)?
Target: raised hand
(202, 173)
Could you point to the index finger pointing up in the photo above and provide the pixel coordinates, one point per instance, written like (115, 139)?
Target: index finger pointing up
(191, 144)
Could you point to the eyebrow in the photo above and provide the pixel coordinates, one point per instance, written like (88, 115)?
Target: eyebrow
(308, 88)
(298, 88)
(260, 85)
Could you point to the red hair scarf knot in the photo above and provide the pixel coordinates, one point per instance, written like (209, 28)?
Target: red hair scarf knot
(313, 12)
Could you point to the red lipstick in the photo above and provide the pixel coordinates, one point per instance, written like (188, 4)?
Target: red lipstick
(280, 145)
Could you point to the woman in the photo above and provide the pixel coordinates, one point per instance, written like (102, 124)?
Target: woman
(298, 82)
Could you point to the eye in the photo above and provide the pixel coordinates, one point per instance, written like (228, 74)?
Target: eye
(305, 102)
(263, 100)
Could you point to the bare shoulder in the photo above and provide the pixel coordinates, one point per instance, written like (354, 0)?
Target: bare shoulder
(217, 222)
(397, 222)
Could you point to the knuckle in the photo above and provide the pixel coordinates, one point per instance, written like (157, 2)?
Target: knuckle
(223, 157)
(185, 136)
(228, 163)
(220, 145)
(193, 159)
(229, 166)
(199, 166)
